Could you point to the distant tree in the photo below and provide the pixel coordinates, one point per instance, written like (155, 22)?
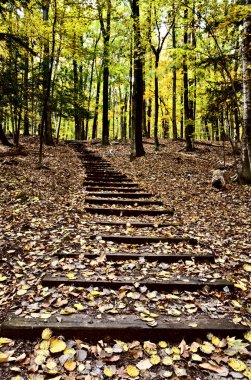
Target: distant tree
(137, 149)
(246, 63)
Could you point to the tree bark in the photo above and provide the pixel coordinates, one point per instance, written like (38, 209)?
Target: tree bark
(246, 66)
(174, 98)
(3, 137)
(47, 70)
(137, 149)
(106, 33)
(188, 111)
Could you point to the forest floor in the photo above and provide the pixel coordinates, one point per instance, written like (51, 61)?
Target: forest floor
(42, 213)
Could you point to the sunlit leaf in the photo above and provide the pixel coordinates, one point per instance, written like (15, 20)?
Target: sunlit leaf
(237, 365)
(70, 365)
(57, 345)
(132, 371)
(46, 334)
(109, 371)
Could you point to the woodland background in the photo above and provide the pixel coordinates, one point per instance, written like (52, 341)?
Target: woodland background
(126, 69)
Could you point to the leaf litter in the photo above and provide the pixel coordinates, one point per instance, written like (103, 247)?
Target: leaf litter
(44, 215)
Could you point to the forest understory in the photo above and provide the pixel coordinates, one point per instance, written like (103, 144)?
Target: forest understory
(42, 212)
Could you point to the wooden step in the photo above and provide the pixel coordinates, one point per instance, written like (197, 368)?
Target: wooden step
(130, 202)
(126, 212)
(119, 195)
(99, 180)
(186, 283)
(110, 184)
(171, 258)
(146, 239)
(97, 165)
(109, 178)
(137, 224)
(107, 188)
(120, 326)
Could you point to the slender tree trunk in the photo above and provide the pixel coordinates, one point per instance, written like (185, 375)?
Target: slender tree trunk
(137, 149)
(105, 129)
(76, 99)
(47, 81)
(246, 67)
(105, 25)
(130, 88)
(174, 97)
(156, 103)
(26, 102)
(149, 116)
(188, 112)
(95, 118)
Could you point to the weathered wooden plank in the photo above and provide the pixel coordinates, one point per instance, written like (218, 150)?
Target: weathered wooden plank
(130, 202)
(107, 188)
(109, 184)
(119, 195)
(121, 326)
(146, 239)
(137, 224)
(126, 212)
(185, 283)
(147, 257)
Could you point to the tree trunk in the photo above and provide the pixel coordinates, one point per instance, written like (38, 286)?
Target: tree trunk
(106, 33)
(3, 138)
(156, 102)
(137, 149)
(188, 112)
(76, 106)
(47, 82)
(26, 103)
(95, 118)
(246, 65)
(174, 113)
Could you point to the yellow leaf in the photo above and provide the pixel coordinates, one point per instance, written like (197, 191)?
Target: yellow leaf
(247, 373)
(39, 359)
(109, 371)
(46, 334)
(21, 292)
(176, 350)
(236, 304)
(69, 351)
(57, 345)
(70, 365)
(3, 278)
(155, 359)
(4, 357)
(216, 341)
(162, 344)
(45, 315)
(71, 276)
(193, 324)
(79, 306)
(237, 365)
(95, 293)
(45, 344)
(68, 310)
(5, 341)
(196, 358)
(167, 360)
(51, 363)
(241, 286)
(132, 371)
(207, 348)
(247, 267)
(247, 336)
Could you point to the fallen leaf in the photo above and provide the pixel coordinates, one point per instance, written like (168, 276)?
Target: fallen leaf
(132, 371)
(57, 345)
